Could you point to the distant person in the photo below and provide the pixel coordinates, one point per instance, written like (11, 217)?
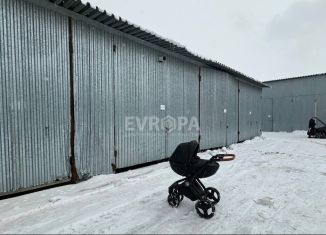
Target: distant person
(312, 127)
(312, 123)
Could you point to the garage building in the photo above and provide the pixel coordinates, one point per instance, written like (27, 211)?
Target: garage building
(71, 75)
(288, 104)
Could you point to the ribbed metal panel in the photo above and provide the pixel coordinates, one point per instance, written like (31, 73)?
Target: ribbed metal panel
(139, 92)
(182, 91)
(321, 107)
(296, 87)
(174, 80)
(295, 101)
(174, 87)
(94, 97)
(232, 110)
(258, 113)
(212, 104)
(283, 105)
(267, 114)
(34, 105)
(303, 106)
(191, 99)
(250, 111)
(292, 113)
(245, 107)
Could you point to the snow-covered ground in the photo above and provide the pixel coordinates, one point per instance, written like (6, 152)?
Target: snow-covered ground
(277, 184)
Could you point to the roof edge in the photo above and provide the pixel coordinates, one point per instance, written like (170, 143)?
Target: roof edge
(293, 78)
(111, 21)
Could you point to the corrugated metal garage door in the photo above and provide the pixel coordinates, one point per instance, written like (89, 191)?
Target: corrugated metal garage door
(267, 115)
(34, 91)
(174, 88)
(191, 100)
(93, 82)
(212, 104)
(182, 91)
(232, 110)
(139, 94)
(250, 111)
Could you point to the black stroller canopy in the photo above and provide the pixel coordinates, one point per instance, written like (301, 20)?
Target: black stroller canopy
(185, 152)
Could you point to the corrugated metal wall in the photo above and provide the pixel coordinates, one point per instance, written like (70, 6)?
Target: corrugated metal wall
(250, 111)
(94, 109)
(142, 85)
(267, 120)
(245, 119)
(232, 110)
(212, 104)
(173, 75)
(191, 100)
(321, 106)
(108, 88)
(138, 94)
(182, 98)
(292, 113)
(221, 111)
(34, 90)
(295, 101)
(257, 131)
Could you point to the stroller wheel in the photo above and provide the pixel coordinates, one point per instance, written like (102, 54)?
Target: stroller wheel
(174, 200)
(177, 194)
(213, 195)
(205, 209)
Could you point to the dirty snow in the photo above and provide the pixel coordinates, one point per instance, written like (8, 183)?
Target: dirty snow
(277, 184)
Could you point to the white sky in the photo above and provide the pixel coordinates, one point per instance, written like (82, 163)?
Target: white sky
(265, 39)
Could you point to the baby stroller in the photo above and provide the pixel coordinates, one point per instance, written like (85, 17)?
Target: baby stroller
(320, 132)
(185, 162)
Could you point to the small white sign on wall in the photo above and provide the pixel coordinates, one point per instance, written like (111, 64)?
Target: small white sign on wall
(225, 110)
(162, 107)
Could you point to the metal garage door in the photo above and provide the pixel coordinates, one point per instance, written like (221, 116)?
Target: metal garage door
(182, 99)
(93, 83)
(212, 106)
(267, 115)
(34, 91)
(139, 95)
(250, 113)
(232, 110)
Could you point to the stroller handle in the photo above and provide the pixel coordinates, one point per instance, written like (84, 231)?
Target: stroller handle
(223, 157)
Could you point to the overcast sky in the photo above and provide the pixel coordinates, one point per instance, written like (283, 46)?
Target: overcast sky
(265, 39)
